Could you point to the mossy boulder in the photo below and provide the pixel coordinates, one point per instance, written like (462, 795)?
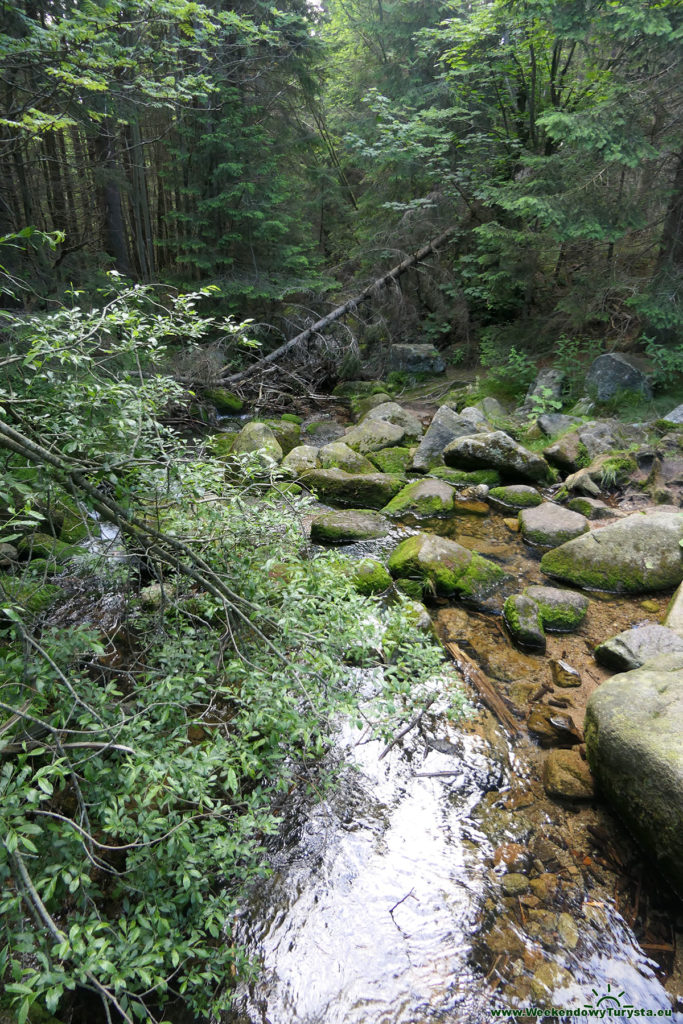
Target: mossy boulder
(462, 478)
(221, 444)
(633, 647)
(301, 459)
(496, 450)
(442, 567)
(634, 724)
(370, 577)
(634, 555)
(361, 406)
(549, 525)
(349, 525)
(34, 596)
(226, 403)
(423, 498)
(561, 611)
(291, 417)
(65, 517)
(372, 435)
(256, 437)
(338, 455)
(592, 508)
(287, 434)
(352, 388)
(523, 619)
(392, 460)
(42, 545)
(514, 496)
(353, 490)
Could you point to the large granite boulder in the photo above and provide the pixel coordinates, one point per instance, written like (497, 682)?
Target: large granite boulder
(636, 554)
(496, 450)
(423, 498)
(634, 647)
(338, 455)
(301, 459)
(546, 387)
(392, 412)
(446, 425)
(257, 437)
(353, 490)
(415, 359)
(346, 526)
(371, 435)
(675, 416)
(634, 724)
(446, 569)
(614, 372)
(549, 525)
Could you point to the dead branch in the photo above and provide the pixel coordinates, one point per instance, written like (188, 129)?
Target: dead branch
(347, 307)
(484, 687)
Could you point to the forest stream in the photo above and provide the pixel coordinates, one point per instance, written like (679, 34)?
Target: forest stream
(438, 881)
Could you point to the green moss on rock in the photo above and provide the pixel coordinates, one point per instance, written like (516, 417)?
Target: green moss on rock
(490, 477)
(290, 417)
(42, 545)
(353, 490)
(227, 403)
(35, 597)
(424, 498)
(370, 577)
(392, 460)
(519, 496)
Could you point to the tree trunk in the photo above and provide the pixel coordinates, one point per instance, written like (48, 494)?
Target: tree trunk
(347, 307)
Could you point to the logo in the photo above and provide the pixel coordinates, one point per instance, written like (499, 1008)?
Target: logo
(609, 1001)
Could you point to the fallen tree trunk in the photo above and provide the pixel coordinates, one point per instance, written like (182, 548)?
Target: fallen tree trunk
(340, 311)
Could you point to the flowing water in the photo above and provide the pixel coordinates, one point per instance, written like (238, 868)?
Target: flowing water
(440, 883)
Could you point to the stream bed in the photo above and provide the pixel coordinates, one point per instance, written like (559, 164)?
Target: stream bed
(440, 882)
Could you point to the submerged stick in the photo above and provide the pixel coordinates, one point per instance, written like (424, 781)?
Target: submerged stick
(473, 675)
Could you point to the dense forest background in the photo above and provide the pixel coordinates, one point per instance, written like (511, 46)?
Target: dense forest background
(289, 155)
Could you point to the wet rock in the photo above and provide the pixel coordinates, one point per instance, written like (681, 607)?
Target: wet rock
(550, 525)
(568, 930)
(347, 526)
(392, 412)
(511, 856)
(392, 460)
(564, 675)
(515, 496)
(592, 508)
(445, 568)
(416, 359)
(512, 525)
(322, 432)
(562, 611)
(614, 372)
(520, 694)
(542, 925)
(545, 886)
(353, 490)
(636, 554)
(257, 437)
(674, 613)
(423, 498)
(523, 620)
(338, 455)
(301, 459)
(514, 884)
(552, 423)
(634, 647)
(461, 478)
(634, 724)
(566, 775)
(504, 938)
(553, 728)
(446, 425)
(471, 501)
(370, 577)
(496, 450)
(548, 980)
(371, 435)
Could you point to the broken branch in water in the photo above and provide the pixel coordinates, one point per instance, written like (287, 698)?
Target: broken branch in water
(406, 728)
(473, 675)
